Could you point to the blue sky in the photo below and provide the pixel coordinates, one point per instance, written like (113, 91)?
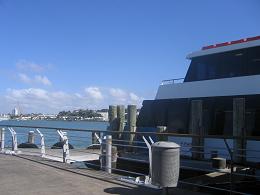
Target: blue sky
(67, 54)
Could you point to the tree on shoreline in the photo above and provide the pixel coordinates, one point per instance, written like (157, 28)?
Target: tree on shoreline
(79, 113)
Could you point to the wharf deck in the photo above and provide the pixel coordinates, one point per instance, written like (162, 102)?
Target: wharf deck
(32, 175)
(56, 154)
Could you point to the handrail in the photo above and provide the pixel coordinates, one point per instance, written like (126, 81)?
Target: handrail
(256, 138)
(171, 81)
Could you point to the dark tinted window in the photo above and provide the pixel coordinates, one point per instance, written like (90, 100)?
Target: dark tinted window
(253, 61)
(224, 65)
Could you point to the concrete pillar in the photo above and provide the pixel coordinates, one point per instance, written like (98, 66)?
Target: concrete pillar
(162, 129)
(120, 119)
(239, 130)
(131, 121)
(31, 137)
(197, 129)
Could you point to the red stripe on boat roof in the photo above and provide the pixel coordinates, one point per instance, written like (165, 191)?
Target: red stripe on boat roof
(231, 43)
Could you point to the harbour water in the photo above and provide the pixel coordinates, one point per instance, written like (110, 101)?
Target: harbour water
(78, 139)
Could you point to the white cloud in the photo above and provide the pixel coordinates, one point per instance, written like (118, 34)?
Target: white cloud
(78, 95)
(118, 94)
(94, 93)
(24, 78)
(40, 100)
(42, 79)
(31, 93)
(25, 65)
(37, 79)
(134, 97)
(47, 101)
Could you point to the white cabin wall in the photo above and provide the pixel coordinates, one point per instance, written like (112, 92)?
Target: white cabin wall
(246, 85)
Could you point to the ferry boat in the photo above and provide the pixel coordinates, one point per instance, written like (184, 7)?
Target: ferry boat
(217, 74)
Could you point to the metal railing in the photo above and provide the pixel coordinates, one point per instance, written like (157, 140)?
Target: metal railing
(172, 81)
(136, 151)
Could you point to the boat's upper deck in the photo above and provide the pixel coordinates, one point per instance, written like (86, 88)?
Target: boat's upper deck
(225, 60)
(226, 47)
(225, 69)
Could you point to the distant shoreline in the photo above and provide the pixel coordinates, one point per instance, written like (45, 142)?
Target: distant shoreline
(56, 120)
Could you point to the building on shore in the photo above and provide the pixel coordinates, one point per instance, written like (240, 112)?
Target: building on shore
(104, 115)
(15, 112)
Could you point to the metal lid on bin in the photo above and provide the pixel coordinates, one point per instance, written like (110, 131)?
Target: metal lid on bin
(164, 144)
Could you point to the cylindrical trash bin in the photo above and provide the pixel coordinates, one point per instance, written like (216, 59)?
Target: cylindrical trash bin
(165, 164)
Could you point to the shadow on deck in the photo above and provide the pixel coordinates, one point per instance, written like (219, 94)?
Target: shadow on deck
(33, 175)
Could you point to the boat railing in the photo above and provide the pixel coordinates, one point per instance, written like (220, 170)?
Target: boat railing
(105, 150)
(172, 81)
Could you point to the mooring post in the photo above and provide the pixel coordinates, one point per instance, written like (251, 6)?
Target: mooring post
(131, 121)
(239, 144)
(109, 153)
(31, 137)
(112, 114)
(197, 129)
(120, 119)
(2, 139)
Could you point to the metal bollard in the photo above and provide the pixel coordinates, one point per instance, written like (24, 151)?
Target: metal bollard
(31, 137)
(109, 153)
(2, 139)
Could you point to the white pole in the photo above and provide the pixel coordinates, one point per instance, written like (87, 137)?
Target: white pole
(109, 153)
(65, 142)
(14, 140)
(66, 153)
(150, 155)
(2, 139)
(42, 143)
